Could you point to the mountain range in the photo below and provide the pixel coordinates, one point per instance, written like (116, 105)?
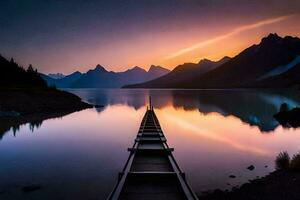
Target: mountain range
(183, 72)
(99, 77)
(274, 62)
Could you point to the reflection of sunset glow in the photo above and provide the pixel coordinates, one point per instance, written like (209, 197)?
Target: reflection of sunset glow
(229, 131)
(208, 147)
(219, 137)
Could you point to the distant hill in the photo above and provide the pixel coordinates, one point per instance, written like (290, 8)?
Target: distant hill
(64, 82)
(274, 62)
(99, 77)
(181, 73)
(262, 65)
(14, 76)
(56, 76)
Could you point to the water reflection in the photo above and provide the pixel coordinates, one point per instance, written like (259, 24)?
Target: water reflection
(15, 125)
(34, 122)
(75, 157)
(215, 134)
(253, 107)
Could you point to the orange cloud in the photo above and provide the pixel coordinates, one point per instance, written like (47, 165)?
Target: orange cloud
(231, 33)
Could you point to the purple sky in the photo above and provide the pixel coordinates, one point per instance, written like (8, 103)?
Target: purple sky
(65, 36)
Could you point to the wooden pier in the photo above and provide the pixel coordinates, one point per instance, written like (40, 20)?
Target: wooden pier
(151, 171)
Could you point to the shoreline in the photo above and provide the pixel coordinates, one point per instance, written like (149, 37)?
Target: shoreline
(21, 106)
(278, 185)
(30, 101)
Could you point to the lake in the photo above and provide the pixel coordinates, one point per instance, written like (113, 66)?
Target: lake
(215, 133)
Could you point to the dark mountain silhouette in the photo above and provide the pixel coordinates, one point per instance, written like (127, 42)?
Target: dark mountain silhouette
(101, 78)
(274, 62)
(156, 71)
(290, 78)
(14, 76)
(253, 66)
(181, 73)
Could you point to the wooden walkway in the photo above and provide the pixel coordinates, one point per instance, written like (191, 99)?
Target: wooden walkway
(151, 172)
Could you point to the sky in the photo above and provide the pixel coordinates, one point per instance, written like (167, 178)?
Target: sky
(70, 35)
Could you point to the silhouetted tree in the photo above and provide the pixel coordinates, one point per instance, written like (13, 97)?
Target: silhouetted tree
(282, 161)
(30, 69)
(14, 76)
(12, 61)
(15, 129)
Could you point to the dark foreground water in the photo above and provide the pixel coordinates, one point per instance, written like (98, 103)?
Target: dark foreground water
(215, 134)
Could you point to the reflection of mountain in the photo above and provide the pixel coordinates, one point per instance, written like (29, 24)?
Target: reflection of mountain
(251, 106)
(132, 98)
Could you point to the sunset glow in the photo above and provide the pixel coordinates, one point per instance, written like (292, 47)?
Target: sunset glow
(164, 33)
(229, 34)
(149, 99)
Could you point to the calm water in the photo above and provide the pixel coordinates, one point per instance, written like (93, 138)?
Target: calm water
(215, 134)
